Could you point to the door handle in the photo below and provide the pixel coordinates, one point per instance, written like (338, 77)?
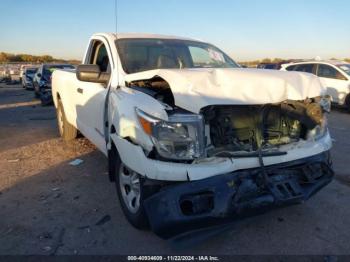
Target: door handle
(80, 90)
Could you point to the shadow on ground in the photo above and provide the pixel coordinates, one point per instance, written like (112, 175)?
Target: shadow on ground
(74, 210)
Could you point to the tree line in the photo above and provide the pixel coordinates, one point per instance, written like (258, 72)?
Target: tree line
(25, 58)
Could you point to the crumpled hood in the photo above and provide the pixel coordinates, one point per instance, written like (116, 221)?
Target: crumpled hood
(194, 89)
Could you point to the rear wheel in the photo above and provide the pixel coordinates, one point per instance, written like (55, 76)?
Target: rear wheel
(67, 131)
(130, 191)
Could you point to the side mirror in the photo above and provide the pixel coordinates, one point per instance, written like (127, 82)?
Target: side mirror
(92, 73)
(39, 75)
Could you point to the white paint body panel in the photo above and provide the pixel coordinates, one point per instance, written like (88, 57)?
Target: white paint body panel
(134, 157)
(194, 89)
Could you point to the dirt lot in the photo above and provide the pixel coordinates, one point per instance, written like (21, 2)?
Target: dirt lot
(50, 207)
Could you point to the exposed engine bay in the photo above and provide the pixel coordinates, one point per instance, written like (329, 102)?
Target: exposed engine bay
(237, 130)
(248, 128)
(155, 87)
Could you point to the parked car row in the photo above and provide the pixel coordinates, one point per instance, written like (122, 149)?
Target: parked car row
(9, 74)
(39, 80)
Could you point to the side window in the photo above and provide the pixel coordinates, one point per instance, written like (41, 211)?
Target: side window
(200, 56)
(329, 72)
(307, 68)
(99, 56)
(290, 68)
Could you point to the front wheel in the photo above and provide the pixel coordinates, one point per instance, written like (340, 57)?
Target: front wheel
(130, 191)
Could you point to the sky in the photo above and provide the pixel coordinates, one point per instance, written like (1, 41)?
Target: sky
(244, 29)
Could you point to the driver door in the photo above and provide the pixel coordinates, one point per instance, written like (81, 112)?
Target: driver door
(91, 97)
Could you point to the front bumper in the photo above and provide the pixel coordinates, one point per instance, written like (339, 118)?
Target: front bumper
(216, 200)
(170, 171)
(29, 85)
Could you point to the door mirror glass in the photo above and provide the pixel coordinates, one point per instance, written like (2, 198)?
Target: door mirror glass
(92, 73)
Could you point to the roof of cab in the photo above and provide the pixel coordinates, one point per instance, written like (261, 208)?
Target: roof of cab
(144, 35)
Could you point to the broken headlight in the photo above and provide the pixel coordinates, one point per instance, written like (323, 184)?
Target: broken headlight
(325, 103)
(319, 131)
(179, 138)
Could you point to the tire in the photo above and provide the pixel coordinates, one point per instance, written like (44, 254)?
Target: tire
(36, 93)
(45, 98)
(67, 131)
(120, 173)
(347, 103)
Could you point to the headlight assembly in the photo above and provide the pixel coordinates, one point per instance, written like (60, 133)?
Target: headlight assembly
(319, 131)
(179, 138)
(325, 103)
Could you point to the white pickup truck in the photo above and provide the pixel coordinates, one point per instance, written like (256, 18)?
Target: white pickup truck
(191, 138)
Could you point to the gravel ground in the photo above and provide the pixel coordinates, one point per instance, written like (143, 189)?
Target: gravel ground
(48, 206)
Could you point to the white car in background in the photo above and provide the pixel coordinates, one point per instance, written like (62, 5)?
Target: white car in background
(334, 75)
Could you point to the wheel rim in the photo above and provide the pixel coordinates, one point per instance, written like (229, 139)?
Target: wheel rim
(129, 182)
(60, 120)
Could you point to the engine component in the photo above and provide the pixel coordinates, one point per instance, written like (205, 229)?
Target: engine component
(247, 128)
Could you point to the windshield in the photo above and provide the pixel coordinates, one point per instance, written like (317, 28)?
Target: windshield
(146, 54)
(49, 69)
(345, 68)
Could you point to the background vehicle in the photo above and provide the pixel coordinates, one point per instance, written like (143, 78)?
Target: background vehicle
(192, 138)
(21, 71)
(42, 81)
(334, 75)
(27, 77)
(273, 66)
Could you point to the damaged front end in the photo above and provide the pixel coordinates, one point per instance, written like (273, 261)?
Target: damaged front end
(267, 147)
(237, 132)
(220, 199)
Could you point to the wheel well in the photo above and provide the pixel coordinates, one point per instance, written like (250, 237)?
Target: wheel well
(113, 130)
(111, 153)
